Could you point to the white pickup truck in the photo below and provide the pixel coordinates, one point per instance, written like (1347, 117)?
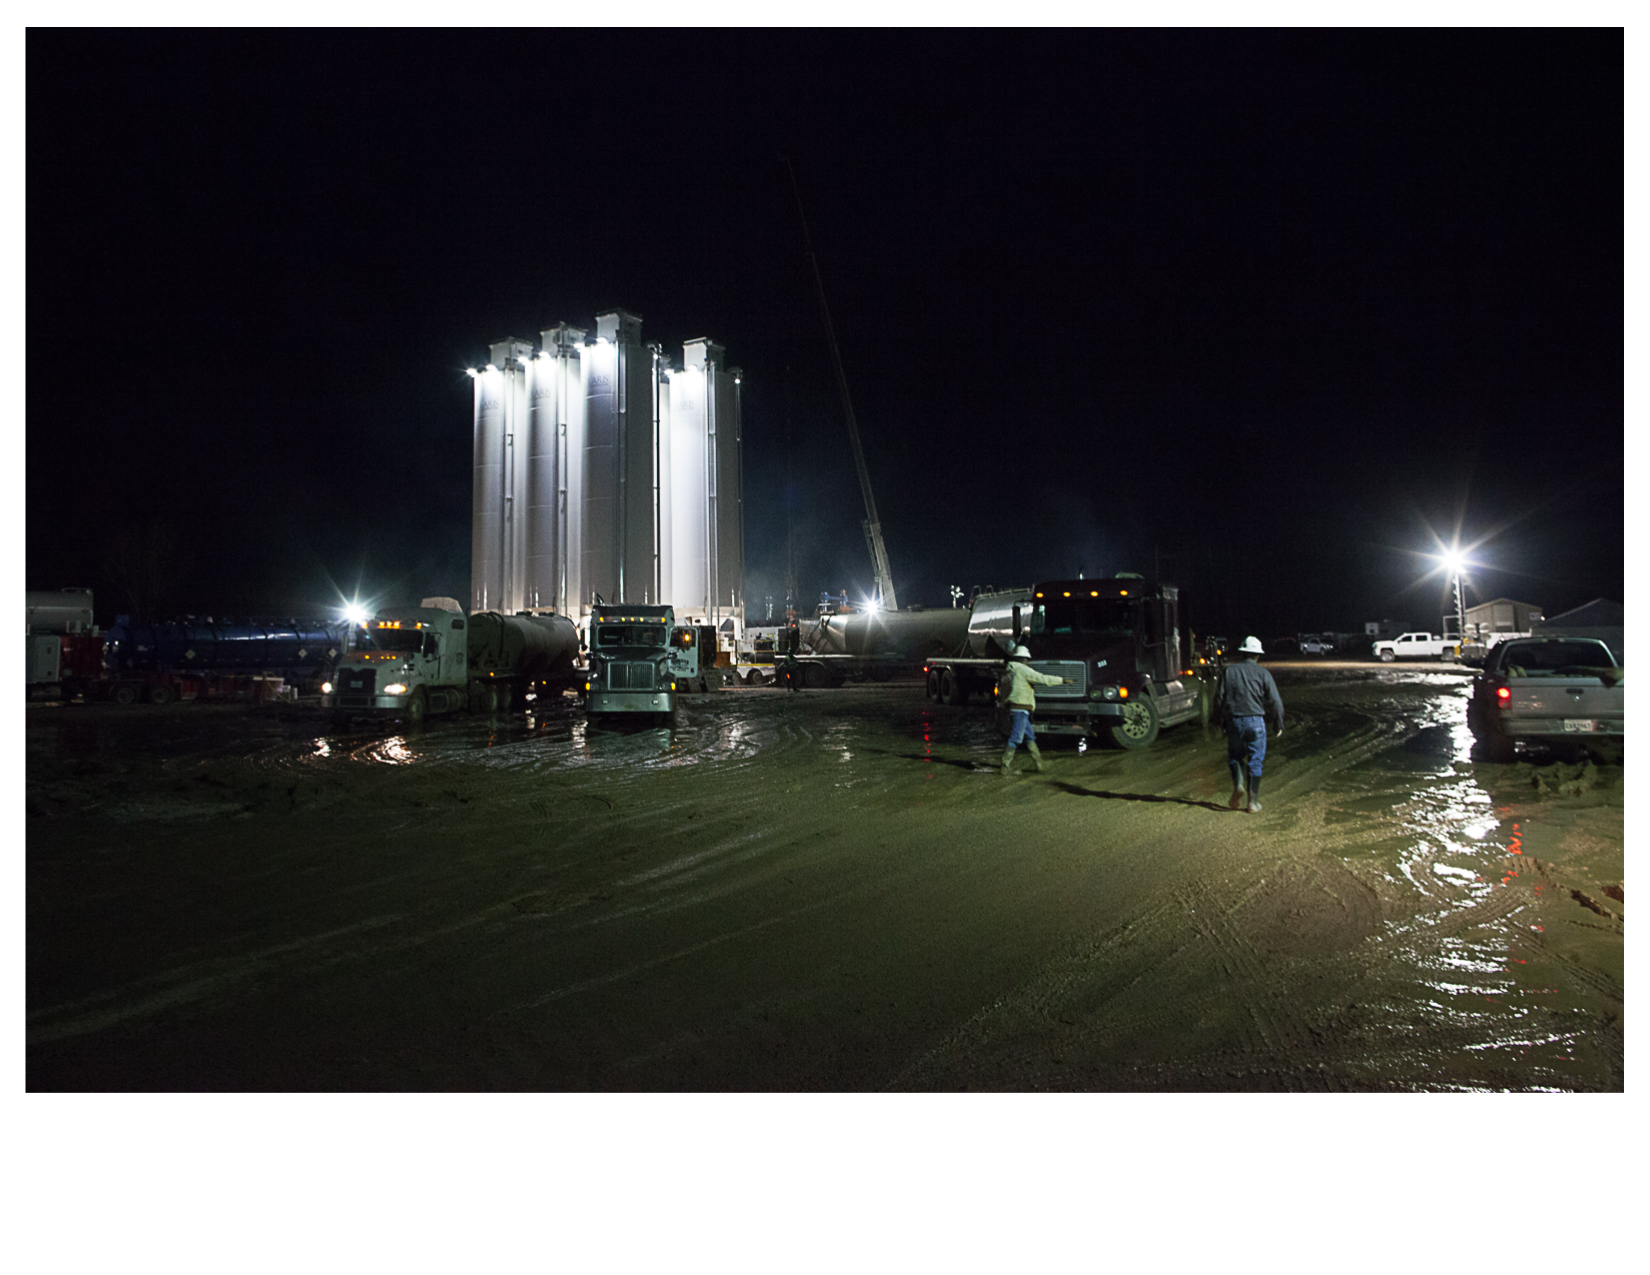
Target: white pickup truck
(1413, 646)
(1547, 689)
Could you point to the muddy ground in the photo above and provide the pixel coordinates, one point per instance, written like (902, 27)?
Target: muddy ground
(819, 891)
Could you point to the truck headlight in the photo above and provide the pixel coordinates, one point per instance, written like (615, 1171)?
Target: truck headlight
(396, 688)
(326, 688)
(1110, 692)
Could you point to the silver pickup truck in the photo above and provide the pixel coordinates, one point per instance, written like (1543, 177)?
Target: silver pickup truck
(1546, 690)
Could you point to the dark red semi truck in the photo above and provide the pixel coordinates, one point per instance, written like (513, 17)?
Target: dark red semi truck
(1118, 642)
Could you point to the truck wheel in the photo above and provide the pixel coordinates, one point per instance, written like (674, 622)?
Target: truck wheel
(160, 694)
(952, 690)
(1139, 725)
(124, 695)
(1205, 705)
(931, 688)
(504, 698)
(418, 707)
(1387, 656)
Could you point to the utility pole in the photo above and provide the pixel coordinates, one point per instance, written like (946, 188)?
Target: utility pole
(873, 526)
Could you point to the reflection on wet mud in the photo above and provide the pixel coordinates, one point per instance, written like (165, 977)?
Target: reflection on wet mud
(1398, 917)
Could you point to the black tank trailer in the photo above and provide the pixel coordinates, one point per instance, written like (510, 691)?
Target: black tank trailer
(1129, 663)
(527, 653)
(878, 645)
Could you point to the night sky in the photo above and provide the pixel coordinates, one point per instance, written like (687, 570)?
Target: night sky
(1268, 311)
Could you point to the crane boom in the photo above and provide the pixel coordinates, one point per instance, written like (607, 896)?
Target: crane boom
(873, 525)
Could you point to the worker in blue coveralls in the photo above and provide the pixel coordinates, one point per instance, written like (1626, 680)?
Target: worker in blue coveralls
(1246, 696)
(1018, 677)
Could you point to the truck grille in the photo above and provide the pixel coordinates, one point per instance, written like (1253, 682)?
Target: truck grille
(357, 686)
(1072, 669)
(634, 676)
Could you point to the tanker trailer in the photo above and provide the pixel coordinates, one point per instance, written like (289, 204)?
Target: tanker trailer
(878, 644)
(994, 624)
(210, 659)
(513, 656)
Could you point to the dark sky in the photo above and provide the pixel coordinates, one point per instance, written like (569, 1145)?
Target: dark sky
(1268, 308)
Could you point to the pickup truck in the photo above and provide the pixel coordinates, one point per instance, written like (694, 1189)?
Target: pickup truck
(1546, 689)
(1412, 646)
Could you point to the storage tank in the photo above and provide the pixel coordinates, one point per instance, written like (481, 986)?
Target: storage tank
(555, 428)
(487, 492)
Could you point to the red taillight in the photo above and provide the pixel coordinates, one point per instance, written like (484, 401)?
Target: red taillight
(1502, 695)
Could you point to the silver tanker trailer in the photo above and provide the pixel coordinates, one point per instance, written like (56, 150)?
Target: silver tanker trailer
(877, 644)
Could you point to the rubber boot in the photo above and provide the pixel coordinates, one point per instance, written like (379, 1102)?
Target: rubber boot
(1036, 757)
(1254, 794)
(1239, 795)
(1008, 760)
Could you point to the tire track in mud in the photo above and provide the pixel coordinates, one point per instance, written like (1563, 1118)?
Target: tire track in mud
(1059, 1007)
(1037, 1003)
(199, 984)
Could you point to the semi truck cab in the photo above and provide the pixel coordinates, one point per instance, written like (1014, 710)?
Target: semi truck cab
(693, 656)
(631, 660)
(1118, 641)
(408, 664)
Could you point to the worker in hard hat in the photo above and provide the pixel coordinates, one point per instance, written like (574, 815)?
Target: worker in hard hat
(1015, 690)
(1245, 697)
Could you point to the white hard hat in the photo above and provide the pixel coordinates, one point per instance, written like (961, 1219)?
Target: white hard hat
(1020, 653)
(1251, 646)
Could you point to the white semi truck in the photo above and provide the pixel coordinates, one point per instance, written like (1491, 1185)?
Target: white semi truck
(633, 662)
(433, 658)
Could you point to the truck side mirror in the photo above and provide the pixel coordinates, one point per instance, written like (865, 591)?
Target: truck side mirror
(1016, 621)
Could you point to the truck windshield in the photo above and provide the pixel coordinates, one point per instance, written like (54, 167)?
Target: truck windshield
(630, 635)
(1548, 657)
(389, 639)
(1103, 618)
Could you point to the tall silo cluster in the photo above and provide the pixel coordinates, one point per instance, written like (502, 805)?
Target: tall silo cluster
(602, 470)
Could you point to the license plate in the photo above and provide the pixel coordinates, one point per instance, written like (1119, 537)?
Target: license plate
(1582, 725)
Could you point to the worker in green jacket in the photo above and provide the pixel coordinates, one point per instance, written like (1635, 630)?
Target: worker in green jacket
(1015, 690)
